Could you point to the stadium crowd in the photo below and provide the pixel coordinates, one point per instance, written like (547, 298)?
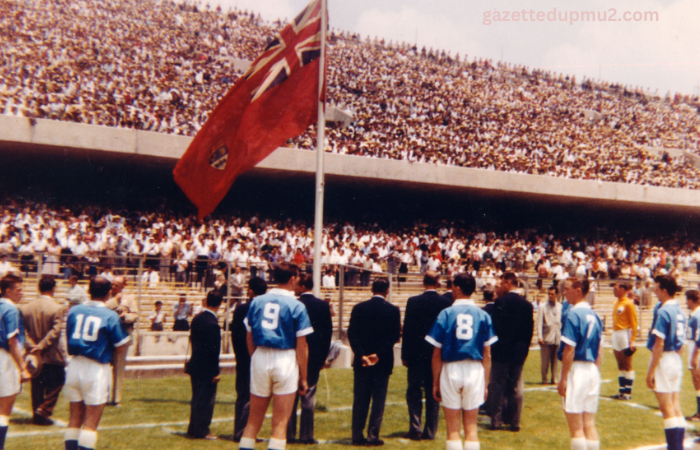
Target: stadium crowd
(162, 66)
(86, 240)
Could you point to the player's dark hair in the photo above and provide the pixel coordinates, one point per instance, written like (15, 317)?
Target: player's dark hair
(214, 298)
(257, 285)
(306, 280)
(465, 282)
(380, 286)
(285, 271)
(692, 294)
(667, 283)
(580, 283)
(553, 288)
(99, 288)
(624, 285)
(511, 278)
(431, 278)
(46, 283)
(8, 282)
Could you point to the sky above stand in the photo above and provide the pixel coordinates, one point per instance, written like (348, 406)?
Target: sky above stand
(660, 55)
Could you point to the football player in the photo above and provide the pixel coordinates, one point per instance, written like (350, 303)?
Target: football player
(666, 366)
(624, 334)
(581, 356)
(462, 336)
(94, 333)
(692, 298)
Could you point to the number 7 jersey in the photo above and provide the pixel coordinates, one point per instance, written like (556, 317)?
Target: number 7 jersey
(582, 330)
(93, 331)
(462, 331)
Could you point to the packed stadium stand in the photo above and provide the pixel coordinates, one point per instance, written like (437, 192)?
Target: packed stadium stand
(162, 66)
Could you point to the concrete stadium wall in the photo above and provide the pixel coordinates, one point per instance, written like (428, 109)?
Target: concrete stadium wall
(19, 132)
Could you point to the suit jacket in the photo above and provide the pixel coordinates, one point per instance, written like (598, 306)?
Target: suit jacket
(43, 320)
(205, 338)
(240, 348)
(375, 326)
(513, 323)
(421, 312)
(320, 340)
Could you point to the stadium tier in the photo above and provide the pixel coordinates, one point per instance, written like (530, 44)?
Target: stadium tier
(79, 62)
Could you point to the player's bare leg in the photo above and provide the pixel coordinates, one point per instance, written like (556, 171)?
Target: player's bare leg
(6, 404)
(453, 425)
(696, 384)
(258, 408)
(82, 426)
(674, 423)
(471, 439)
(281, 411)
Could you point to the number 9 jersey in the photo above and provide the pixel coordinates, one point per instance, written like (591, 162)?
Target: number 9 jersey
(276, 319)
(668, 324)
(93, 331)
(462, 331)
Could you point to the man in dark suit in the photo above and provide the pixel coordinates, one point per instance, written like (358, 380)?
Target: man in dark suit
(513, 323)
(416, 355)
(203, 367)
(375, 326)
(319, 343)
(256, 286)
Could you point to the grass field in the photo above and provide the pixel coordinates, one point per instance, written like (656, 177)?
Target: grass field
(154, 415)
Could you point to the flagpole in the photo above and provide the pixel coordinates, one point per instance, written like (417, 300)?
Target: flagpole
(320, 144)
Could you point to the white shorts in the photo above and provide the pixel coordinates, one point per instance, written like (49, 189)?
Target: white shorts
(273, 371)
(690, 348)
(9, 375)
(621, 339)
(462, 385)
(669, 373)
(87, 381)
(582, 389)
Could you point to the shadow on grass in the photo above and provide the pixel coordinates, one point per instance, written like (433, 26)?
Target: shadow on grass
(21, 421)
(182, 402)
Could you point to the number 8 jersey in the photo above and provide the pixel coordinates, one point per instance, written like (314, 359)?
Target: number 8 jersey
(93, 331)
(462, 331)
(276, 319)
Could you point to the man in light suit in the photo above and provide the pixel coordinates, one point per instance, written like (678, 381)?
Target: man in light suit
(43, 319)
(375, 326)
(319, 343)
(416, 355)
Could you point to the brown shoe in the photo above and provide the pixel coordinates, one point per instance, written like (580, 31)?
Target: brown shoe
(695, 418)
(210, 437)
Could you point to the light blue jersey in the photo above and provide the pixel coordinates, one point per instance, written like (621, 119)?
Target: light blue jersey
(462, 331)
(582, 330)
(10, 324)
(693, 333)
(565, 307)
(276, 319)
(93, 331)
(668, 324)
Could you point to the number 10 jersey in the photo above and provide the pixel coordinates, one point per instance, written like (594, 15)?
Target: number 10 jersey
(93, 331)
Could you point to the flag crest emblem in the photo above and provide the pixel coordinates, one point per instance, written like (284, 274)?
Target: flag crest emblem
(218, 156)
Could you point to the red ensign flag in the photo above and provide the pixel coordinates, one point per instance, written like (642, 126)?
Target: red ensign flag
(275, 100)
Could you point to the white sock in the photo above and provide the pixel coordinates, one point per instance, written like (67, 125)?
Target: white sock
(246, 443)
(670, 423)
(4, 421)
(680, 422)
(578, 444)
(71, 434)
(592, 445)
(697, 393)
(472, 445)
(629, 375)
(453, 445)
(277, 444)
(87, 439)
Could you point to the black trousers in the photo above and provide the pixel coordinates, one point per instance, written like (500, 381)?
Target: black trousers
(369, 385)
(202, 406)
(505, 396)
(46, 387)
(421, 379)
(242, 409)
(306, 421)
